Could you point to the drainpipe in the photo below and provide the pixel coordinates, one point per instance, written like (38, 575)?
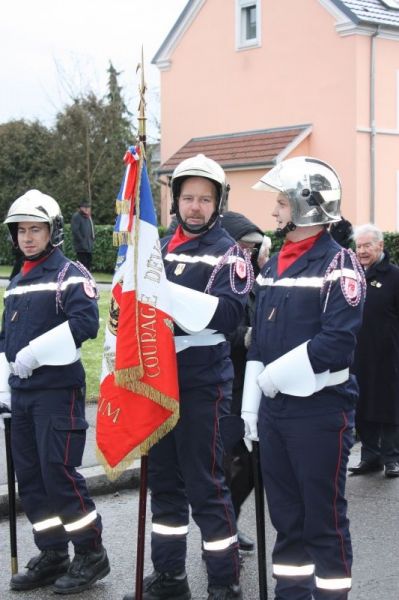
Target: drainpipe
(372, 124)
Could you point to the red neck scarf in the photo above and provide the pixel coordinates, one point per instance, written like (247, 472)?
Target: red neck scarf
(31, 264)
(179, 237)
(291, 251)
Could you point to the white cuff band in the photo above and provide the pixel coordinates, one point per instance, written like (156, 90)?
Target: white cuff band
(191, 310)
(293, 374)
(5, 372)
(55, 347)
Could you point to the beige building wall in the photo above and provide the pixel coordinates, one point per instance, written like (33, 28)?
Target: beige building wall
(303, 72)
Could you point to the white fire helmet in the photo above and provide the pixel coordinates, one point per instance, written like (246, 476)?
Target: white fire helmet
(35, 206)
(199, 166)
(312, 187)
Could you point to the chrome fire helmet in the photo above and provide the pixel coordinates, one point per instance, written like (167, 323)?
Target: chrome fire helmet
(312, 187)
(35, 206)
(199, 166)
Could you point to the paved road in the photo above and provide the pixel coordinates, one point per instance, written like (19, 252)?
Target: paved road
(373, 510)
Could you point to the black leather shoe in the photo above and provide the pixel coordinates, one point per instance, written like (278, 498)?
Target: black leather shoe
(229, 592)
(85, 569)
(245, 543)
(164, 586)
(42, 570)
(365, 467)
(392, 469)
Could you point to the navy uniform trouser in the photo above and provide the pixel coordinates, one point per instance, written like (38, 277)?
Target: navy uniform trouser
(48, 434)
(304, 461)
(185, 468)
(380, 441)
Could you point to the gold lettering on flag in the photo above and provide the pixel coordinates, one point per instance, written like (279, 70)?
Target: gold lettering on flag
(148, 339)
(105, 408)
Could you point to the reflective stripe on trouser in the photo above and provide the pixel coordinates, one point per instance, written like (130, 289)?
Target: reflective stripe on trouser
(333, 587)
(56, 521)
(305, 486)
(48, 438)
(185, 467)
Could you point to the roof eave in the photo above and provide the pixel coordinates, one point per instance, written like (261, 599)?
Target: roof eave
(256, 164)
(162, 57)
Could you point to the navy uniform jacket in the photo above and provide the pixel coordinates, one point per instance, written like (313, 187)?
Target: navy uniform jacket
(297, 307)
(191, 265)
(31, 309)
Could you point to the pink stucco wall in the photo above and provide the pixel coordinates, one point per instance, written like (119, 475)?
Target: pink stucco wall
(303, 72)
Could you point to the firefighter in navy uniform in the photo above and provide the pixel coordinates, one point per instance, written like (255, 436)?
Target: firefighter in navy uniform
(50, 310)
(209, 275)
(308, 311)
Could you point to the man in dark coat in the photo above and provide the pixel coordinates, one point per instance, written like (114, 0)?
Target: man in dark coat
(377, 358)
(238, 466)
(83, 234)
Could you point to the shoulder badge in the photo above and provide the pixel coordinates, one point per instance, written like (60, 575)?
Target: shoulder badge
(241, 268)
(89, 289)
(351, 288)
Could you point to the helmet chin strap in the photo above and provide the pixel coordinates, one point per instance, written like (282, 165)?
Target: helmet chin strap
(282, 232)
(197, 229)
(48, 250)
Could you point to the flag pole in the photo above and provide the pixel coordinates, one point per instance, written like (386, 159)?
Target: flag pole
(12, 511)
(144, 458)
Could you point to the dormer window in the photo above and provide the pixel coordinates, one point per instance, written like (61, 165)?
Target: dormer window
(247, 23)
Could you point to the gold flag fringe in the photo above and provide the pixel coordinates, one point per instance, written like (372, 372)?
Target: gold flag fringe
(127, 378)
(121, 238)
(141, 450)
(122, 207)
(131, 383)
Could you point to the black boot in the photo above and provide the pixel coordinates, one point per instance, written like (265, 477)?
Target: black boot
(86, 568)
(228, 592)
(164, 586)
(245, 543)
(42, 570)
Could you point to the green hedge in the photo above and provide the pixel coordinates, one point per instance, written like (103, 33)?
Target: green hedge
(104, 255)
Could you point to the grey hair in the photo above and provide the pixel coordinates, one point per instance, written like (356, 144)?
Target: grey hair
(368, 228)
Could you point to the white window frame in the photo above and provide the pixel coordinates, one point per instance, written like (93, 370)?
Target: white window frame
(391, 4)
(241, 42)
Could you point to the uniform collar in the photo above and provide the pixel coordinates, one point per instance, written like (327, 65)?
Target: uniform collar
(50, 264)
(207, 238)
(316, 252)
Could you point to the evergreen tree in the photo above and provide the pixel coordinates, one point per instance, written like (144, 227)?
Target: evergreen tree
(81, 157)
(91, 137)
(26, 160)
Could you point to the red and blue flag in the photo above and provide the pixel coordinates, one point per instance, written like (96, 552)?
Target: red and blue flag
(139, 397)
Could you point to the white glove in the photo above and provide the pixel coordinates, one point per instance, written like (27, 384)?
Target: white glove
(251, 397)
(266, 384)
(251, 428)
(24, 364)
(5, 405)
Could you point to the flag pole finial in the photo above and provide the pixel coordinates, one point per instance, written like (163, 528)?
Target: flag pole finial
(142, 103)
